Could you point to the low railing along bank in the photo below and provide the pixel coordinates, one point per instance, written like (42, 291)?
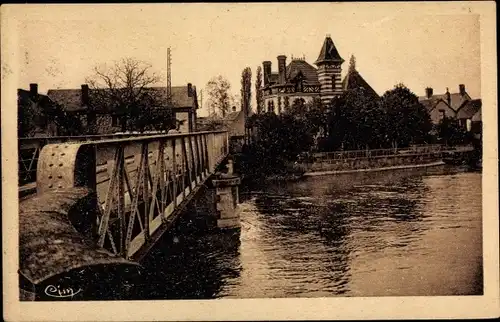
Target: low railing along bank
(374, 159)
(368, 153)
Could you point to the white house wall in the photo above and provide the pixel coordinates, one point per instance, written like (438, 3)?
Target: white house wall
(308, 97)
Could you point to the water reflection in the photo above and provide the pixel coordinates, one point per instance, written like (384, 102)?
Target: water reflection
(368, 234)
(189, 264)
(380, 234)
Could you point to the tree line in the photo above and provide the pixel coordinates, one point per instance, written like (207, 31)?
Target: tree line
(353, 121)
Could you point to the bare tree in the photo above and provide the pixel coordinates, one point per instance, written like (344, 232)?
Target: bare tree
(219, 96)
(124, 89)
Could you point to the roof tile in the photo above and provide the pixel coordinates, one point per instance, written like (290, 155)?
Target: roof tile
(456, 99)
(354, 80)
(309, 71)
(469, 109)
(70, 99)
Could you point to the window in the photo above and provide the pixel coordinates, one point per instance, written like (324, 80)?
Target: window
(442, 114)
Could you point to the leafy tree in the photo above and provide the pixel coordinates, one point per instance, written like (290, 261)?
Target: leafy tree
(356, 121)
(279, 139)
(26, 114)
(298, 107)
(67, 124)
(219, 96)
(449, 130)
(246, 95)
(258, 90)
(407, 120)
(40, 114)
(125, 89)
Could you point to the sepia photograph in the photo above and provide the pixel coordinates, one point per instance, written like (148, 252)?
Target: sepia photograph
(291, 154)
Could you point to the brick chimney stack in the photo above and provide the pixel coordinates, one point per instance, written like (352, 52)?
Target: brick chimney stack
(33, 90)
(429, 92)
(461, 89)
(448, 96)
(85, 95)
(282, 69)
(190, 90)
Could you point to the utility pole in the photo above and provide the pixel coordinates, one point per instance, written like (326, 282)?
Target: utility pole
(169, 77)
(201, 98)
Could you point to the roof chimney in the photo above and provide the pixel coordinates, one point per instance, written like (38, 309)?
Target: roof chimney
(448, 96)
(85, 95)
(190, 90)
(33, 90)
(461, 89)
(429, 92)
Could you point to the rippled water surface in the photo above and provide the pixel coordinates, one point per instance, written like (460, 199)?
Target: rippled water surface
(379, 234)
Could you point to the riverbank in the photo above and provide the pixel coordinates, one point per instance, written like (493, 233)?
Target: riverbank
(398, 167)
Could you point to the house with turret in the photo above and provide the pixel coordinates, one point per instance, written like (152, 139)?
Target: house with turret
(300, 80)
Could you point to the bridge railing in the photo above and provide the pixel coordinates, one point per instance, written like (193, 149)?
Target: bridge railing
(29, 149)
(141, 183)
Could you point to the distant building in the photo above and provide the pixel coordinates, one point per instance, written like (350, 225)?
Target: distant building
(77, 103)
(444, 105)
(299, 80)
(234, 123)
(477, 124)
(184, 104)
(103, 120)
(469, 112)
(36, 111)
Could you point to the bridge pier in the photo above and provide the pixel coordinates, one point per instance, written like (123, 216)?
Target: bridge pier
(227, 198)
(226, 192)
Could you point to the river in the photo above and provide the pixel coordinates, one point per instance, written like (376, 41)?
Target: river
(398, 233)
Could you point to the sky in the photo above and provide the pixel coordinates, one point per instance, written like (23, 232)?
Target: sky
(59, 45)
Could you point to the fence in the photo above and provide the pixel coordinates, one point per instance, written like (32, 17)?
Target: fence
(366, 154)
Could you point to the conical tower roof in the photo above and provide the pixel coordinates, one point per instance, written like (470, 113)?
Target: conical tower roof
(329, 53)
(354, 80)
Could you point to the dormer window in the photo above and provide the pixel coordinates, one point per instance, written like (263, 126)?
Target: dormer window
(299, 84)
